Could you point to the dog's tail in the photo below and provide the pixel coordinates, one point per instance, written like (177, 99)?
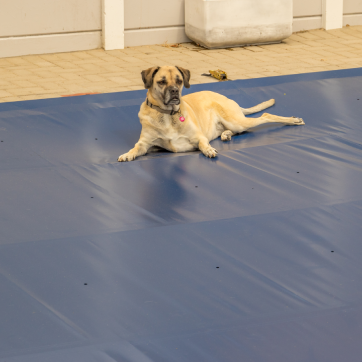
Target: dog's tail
(259, 107)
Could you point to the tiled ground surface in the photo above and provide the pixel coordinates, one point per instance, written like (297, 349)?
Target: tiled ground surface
(55, 75)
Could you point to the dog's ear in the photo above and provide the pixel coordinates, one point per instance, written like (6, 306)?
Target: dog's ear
(147, 76)
(186, 75)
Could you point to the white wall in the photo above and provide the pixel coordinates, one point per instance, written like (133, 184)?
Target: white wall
(305, 8)
(44, 26)
(352, 10)
(352, 6)
(307, 14)
(154, 22)
(33, 17)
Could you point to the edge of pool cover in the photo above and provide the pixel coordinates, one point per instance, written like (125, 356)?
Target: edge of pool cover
(252, 256)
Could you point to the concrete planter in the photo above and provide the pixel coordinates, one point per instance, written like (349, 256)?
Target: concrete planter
(228, 23)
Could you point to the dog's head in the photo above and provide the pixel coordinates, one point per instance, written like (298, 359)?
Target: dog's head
(165, 83)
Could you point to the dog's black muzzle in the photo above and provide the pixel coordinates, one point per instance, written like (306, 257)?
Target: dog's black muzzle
(172, 96)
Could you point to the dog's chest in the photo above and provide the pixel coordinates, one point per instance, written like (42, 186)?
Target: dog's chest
(169, 125)
(167, 121)
(172, 133)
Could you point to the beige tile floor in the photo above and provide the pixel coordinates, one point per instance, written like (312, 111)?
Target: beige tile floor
(99, 71)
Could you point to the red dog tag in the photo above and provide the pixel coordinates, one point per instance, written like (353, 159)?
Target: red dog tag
(182, 119)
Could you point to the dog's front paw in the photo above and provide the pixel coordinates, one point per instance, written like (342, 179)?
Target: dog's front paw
(210, 152)
(126, 157)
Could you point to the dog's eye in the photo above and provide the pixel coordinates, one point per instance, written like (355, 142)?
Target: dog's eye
(162, 82)
(179, 81)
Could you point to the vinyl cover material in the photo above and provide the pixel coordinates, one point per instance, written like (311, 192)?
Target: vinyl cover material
(253, 256)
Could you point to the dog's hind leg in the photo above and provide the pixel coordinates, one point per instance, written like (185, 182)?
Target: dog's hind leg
(259, 107)
(241, 123)
(271, 118)
(237, 123)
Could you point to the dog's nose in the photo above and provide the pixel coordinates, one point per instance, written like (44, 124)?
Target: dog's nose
(174, 91)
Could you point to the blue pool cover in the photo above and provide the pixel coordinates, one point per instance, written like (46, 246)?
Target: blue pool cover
(253, 256)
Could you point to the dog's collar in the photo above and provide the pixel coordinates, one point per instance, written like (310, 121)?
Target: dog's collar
(160, 109)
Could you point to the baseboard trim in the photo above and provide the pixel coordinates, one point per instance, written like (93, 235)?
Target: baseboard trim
(54, 43)
(307, 23)
(174, 34)
(352, 19)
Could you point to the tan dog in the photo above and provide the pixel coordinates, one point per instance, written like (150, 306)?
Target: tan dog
(191, 122)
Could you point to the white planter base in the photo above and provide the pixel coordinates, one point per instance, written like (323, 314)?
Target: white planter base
(226, 38)
(228, 23)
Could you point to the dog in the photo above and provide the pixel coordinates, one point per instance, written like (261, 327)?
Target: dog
(191, 122)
